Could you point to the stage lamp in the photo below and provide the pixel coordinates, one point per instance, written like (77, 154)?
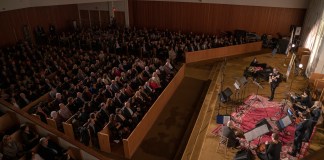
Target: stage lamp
(300, 66)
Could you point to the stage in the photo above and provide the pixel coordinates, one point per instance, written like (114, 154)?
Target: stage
(257, 108)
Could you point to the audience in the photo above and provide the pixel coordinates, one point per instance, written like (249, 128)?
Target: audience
(100, 88)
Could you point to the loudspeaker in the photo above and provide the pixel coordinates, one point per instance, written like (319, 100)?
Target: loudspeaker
(262, 122)
(225, 95)
(244, 155)
(283, 44)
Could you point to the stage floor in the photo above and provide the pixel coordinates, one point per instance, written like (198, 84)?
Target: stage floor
(233, 71)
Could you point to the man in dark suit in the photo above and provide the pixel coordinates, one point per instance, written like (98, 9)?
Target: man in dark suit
(299, 135)
(314, 116)
(274, 82)
(273, 149)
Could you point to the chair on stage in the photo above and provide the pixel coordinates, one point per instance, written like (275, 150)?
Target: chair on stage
(223, 141)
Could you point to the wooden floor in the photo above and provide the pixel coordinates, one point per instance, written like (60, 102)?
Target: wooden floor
(205, 148)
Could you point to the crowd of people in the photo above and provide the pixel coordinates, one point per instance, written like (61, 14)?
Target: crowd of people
(144, 42)
(105, 89)
(101, 76)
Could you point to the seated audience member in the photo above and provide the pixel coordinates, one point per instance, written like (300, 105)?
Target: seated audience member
(114, 127)
(12, 150)
(71, 105)
(84, 135)
(29, 137)
(58, 120)
(130, 114)
(49, 150)
(64, 112)
(272, 150)
(94, 128)
(229, 132)
(14, 102)
(23, 101)
(124, 123)
(155, 84)
(41, 113)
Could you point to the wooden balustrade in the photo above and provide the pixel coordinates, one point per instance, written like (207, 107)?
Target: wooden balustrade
(221, 52)
(8, 121)
(43, 98)
(104, 139)
(139, 133)
(68, 128)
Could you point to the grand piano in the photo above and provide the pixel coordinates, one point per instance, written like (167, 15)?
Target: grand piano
(260, 72)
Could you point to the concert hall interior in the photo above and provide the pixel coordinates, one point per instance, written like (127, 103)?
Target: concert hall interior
(161, 79)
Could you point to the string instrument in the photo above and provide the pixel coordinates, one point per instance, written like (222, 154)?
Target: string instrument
(273, 78)
(300, 106)
(261, 147)
(238, 132)
(298, 119)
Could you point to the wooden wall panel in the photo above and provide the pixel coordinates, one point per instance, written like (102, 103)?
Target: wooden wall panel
(214, 18)
(85, 20)
(95, 19)
(12, 22)
(120, 18)
(104, 18)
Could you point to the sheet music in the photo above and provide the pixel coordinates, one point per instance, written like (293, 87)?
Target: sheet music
(226, 119)
(262, 130)
(256, 132)
(237, 85)
(284, 122)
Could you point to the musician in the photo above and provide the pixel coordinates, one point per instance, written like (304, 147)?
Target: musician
(254, 63)
(274, 82)
(272, 149)
(299, 135)
(229, 132)
(305, 99)
(315, 113)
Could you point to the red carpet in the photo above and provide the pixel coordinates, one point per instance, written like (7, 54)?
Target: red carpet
(256, 108)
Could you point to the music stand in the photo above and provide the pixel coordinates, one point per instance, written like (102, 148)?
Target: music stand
(256, 132)
(243, 81)
(237, 89)
(256, 95)
(283, 123)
